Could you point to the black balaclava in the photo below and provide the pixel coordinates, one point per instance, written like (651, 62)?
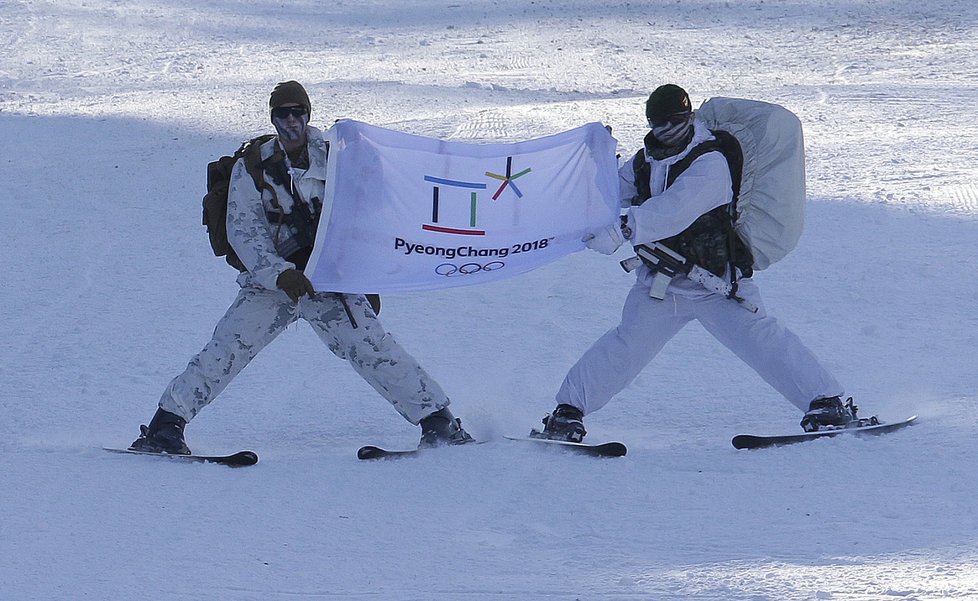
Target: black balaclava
(671, 119)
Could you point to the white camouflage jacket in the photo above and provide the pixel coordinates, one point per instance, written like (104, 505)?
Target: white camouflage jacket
(702, 187)
(255, 239)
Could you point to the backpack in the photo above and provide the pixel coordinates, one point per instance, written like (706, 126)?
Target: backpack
(770, 202)
(215, 202)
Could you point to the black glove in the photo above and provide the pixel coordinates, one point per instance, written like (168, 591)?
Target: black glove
(374, 300)
(294, 283)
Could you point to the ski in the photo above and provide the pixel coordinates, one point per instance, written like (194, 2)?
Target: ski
(750, 441)
(605, 449)
(371, 452)
(239, 459)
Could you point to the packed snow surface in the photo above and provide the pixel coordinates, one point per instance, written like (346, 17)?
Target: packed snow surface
(109, 112)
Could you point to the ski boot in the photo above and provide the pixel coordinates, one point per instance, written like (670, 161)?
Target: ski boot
(565, 423)
(442, 428)
(164, 434)
(829, 412)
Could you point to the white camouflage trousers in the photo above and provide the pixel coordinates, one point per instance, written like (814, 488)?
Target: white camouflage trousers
(647, 324)
(258, 315)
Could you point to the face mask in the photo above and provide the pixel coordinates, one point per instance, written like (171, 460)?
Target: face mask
(673, 129)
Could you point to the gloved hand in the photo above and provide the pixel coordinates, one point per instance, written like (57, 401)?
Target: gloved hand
(294, 283)
(606, 241)
(374, 300)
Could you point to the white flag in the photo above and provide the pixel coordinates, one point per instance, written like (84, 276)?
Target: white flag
(405, 212)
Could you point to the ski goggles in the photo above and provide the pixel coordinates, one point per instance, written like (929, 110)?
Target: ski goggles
(672, 128)
(283, 112)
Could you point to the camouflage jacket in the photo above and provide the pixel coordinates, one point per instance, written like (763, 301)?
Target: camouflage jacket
(261, 243)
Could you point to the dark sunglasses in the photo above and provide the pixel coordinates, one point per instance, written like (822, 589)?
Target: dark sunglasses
(670, 121)
(282, 112)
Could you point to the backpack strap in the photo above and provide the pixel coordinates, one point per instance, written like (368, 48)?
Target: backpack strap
(250, 152)
(642, 175)
(677, 168)
(739, 253)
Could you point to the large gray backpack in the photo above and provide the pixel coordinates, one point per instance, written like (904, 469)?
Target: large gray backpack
(771, 204)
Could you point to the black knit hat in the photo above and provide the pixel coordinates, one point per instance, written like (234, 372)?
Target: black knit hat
(667, 100)
(289, 92)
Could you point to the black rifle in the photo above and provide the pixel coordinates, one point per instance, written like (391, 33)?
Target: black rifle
(666, 264)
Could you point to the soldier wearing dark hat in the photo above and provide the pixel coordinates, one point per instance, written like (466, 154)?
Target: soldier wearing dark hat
(678, 195)
(272, 229)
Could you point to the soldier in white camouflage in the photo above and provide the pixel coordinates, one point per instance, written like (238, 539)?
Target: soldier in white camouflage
(679, 197)
(271, 231)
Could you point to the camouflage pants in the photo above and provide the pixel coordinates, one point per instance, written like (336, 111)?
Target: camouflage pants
(257, 316)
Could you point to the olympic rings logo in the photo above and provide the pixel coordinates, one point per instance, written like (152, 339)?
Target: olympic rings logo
(451, 270)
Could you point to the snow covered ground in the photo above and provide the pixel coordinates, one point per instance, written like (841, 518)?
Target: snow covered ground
(109, 112)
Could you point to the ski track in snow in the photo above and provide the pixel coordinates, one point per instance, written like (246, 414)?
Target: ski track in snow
(110, 112)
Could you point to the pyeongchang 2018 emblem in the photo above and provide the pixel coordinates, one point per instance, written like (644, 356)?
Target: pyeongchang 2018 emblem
(467, 193)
